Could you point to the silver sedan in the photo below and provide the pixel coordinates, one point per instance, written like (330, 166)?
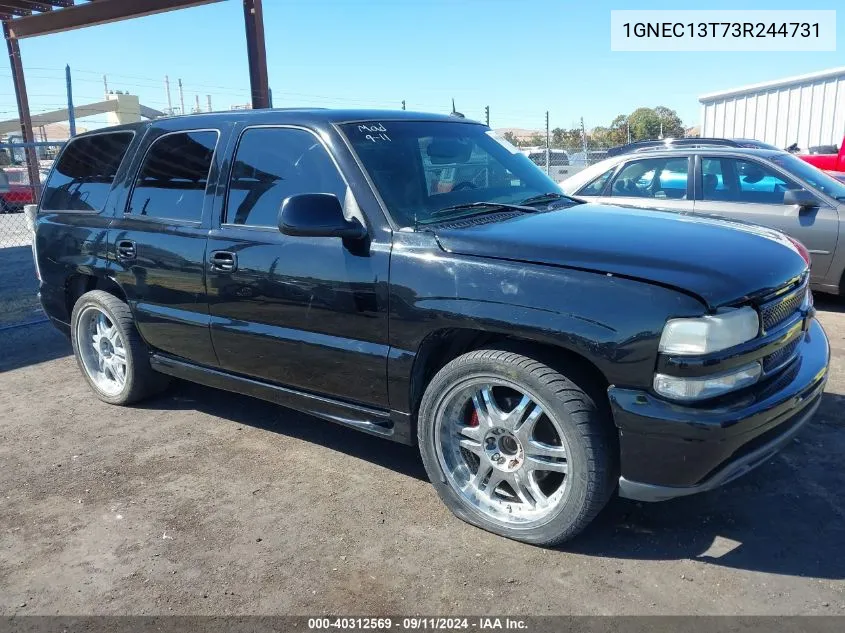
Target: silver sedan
(765, 187)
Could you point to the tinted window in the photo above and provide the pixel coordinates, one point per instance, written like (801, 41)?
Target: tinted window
(83, 176)
(734, 180)
(272, 164)
(597, 185)
(171, 183)
(422, 169)
(661, 178)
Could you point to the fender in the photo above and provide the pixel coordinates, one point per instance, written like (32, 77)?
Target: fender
(581, 312)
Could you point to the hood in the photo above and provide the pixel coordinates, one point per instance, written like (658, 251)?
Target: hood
(719, 261)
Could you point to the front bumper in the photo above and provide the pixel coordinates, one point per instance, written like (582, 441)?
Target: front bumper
(669, 450)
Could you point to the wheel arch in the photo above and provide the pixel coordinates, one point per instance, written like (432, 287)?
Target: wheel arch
(80, 283)
(444, 345)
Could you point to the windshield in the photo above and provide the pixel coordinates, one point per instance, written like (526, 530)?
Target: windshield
(423, 168)
(813, 176)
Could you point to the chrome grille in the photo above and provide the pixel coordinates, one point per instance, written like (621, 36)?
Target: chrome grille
(776, 312)
(780, 357)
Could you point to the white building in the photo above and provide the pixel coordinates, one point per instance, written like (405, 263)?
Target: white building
(808, 110)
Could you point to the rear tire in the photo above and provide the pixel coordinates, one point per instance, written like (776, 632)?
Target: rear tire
(517, 448)
(109, 351)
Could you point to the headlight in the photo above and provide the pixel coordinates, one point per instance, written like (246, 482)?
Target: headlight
(709, 333)
(701, 387)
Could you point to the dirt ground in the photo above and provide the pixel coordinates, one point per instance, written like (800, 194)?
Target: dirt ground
(203, 502)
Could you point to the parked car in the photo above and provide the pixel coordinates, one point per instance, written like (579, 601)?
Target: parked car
(771, 188)
(4, 183)
(558, 161)
(16, 192)
(584, 159)
(829, 158)
(303, 257)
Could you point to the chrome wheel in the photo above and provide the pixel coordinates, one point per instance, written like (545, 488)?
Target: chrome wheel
(502, 451)
(102, 350)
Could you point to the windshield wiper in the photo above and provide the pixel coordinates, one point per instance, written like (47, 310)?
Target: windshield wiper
(482, 207)
(551, 196)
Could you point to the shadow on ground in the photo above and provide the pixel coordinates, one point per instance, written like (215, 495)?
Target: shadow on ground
(783, 518)
(264, 415)
(829, 303)
(18, 286)
(25, 345)
(786, 517)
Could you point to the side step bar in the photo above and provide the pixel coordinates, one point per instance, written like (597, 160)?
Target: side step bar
(374, 421)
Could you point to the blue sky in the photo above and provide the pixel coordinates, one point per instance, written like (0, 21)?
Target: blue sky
(520, 57)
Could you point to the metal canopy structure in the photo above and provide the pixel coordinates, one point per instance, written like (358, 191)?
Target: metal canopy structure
(30, 18)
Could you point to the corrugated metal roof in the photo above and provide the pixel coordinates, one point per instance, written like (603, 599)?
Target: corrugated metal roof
(832, 73)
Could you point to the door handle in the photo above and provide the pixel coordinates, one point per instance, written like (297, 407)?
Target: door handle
(125, 249)
(224, 261)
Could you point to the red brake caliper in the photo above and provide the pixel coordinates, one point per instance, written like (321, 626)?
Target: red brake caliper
(473, 418)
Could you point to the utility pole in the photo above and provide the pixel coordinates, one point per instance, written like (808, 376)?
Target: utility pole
(198, 103)
(167, 89)
(106, 86)
(403, 104)
(547, 142)
(487, 114)
(584, 138)
(181, 98)
(71, 115)
(208, 98)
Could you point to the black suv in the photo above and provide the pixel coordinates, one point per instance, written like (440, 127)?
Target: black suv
(416, 277)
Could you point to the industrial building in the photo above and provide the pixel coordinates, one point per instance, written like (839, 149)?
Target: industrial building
(808, 110)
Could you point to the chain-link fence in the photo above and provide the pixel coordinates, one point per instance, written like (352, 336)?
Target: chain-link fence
(19, 187)
(562, 162)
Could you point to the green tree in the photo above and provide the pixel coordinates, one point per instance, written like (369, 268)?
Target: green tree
(645, 124)
(672, 125)
(566, 139)
(536, 140)
(648, 123)
(510, 138)
(619, 130)
(601, 137)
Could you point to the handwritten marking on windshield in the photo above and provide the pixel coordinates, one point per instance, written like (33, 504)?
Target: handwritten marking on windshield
(377, 132)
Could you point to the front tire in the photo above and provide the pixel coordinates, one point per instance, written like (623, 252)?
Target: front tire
(517, 448)
(110, 352)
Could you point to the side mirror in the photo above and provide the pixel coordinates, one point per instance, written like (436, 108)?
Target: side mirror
(317, 215)
(801, 198)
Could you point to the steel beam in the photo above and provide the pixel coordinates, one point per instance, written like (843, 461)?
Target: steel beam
(93, 13)
(256, 54)
(23, 110)
(24, 7)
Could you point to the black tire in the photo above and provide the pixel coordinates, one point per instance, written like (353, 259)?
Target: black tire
(584, 419)
(141, 380)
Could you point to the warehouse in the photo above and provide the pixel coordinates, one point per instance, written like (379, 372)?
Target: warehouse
(808, 110)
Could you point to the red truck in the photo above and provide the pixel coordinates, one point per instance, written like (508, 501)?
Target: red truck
(832, 162)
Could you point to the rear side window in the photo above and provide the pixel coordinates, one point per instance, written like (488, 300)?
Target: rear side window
(272, 164)
(736, 180)
(83, 176)
(172, 180)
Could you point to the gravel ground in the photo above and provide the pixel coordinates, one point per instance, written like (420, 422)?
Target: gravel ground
(202, 502)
